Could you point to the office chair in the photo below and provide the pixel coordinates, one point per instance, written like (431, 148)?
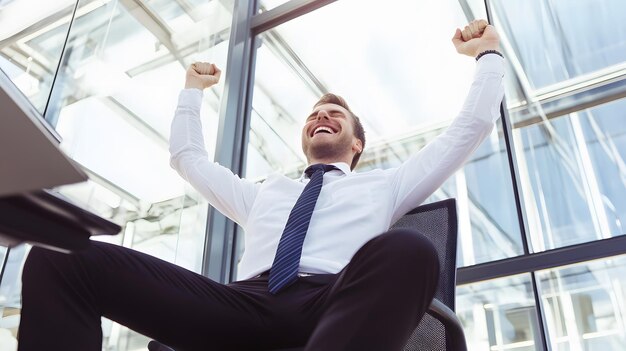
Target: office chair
(439, 329)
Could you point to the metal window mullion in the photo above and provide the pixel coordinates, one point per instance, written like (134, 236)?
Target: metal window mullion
(521, 213)
(508, 139)
(4, 263)
(59, 65)
(231, 137)
(244, 142)
(284, 13)
(539, 307)
(573, 254)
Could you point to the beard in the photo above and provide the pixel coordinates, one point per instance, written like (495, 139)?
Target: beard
(328, 149)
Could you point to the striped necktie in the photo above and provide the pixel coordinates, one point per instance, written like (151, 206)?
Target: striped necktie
(284, 270)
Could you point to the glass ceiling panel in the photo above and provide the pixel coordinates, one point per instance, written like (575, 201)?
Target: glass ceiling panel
(394, 93)
(32, 34)
(192, 20)
(115, 97)
(171, 11)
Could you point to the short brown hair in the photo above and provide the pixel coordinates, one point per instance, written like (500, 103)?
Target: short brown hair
(359, 132)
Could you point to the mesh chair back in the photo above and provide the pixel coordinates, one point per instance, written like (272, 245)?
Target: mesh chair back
(438, 222)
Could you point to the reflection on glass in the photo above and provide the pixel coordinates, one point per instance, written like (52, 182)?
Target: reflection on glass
(559, 40)
(569, 148)
(488, 222)
(585, 305)
(31, 40)
(3, 252)
(573, 176)
(403, 96)
(113, 101)
(562, 55)
(499, 314)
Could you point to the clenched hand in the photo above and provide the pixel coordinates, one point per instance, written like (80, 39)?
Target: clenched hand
(475, 38)
(201, 75)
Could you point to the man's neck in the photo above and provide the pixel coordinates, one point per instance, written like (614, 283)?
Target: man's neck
(327, 161)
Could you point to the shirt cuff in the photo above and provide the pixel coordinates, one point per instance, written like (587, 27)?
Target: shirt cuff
(490, 63)
(190, 98)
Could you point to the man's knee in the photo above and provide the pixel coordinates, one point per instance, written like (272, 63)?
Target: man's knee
(41, 261)
(39, 258)
(409, 248)
(45, 263)
(37, 262)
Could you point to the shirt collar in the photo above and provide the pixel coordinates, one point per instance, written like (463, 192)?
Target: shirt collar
(343, 167)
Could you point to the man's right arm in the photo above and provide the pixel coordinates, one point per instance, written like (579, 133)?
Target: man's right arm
(225, 191)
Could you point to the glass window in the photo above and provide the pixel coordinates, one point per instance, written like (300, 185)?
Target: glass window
(113, 101)
(405, 83)
(565, 59)
(499, 314)
(32, 35)
(573, 175)
(11, 292)
(115, 122)
(585, 305)
(559, 40)
(113, 104)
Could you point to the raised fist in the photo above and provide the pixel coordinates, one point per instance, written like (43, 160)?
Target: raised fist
(201, 75)
(475, 38)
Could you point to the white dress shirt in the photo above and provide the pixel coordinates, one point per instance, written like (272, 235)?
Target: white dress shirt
(352, 207)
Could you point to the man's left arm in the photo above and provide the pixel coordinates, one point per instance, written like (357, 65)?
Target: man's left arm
(425, 171)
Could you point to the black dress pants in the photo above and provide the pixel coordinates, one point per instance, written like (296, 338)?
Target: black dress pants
(374, 303)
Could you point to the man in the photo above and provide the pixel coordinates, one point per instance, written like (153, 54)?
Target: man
(320, 267)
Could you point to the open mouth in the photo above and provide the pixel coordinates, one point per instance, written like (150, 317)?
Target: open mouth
(322, 129)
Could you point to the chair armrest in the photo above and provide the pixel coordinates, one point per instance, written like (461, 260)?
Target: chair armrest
(454, 330)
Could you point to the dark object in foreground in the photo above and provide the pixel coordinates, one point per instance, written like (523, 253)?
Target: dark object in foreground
(46, 219)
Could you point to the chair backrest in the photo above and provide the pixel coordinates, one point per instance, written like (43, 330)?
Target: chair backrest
(438, 222)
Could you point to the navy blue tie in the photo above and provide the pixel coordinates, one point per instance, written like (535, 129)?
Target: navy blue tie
(284, 270)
